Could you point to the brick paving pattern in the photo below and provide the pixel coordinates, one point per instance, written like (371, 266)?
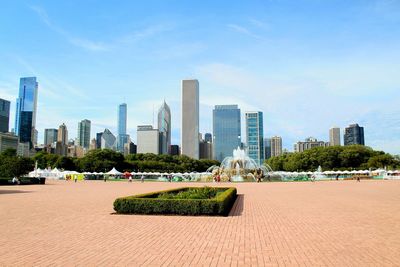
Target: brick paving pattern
(334, 223)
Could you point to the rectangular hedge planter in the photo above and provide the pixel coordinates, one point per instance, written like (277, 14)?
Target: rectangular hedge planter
(150, 204)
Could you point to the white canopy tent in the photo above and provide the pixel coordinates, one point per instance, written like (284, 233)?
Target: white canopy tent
(114, 172)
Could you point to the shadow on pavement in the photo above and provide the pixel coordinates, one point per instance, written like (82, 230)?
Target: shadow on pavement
(5, 192)
(237, 208)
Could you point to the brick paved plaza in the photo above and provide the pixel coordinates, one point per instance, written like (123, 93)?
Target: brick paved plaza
(335, 223)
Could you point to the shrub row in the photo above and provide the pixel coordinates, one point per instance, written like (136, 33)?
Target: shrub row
(150, 204)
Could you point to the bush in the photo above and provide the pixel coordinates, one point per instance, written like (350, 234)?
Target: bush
(193, 193)
(173, 202)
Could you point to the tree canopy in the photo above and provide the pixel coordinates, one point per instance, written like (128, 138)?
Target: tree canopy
(334, 158)
(102, 161)
(11, 165)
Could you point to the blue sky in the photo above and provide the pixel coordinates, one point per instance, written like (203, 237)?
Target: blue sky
(308, 65)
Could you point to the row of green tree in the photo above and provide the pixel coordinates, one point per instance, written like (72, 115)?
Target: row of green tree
(101, 161)
(11, 165)
(334, 158)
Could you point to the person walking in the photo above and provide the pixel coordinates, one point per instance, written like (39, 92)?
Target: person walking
(142, 178)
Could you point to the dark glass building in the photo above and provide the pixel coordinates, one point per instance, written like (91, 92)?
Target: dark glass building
(84, 133)
(226, 130)
(208, 138)
(98, 140)
(354, 135)
(50, 136)
(4, 115)
(174, 150)
(25, 115)
(267, 148)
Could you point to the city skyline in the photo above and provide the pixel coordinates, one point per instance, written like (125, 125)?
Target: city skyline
(348, 67)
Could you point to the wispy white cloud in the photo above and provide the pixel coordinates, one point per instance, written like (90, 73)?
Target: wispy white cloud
(76, 41)
(180, 51)
(41, 12)
(141, 34)
(88, 45)
(98, 46)
(244, 30)
(260, 24)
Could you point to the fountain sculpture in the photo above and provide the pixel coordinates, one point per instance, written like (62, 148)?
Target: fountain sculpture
(238, 168)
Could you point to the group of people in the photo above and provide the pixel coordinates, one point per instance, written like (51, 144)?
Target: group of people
(16, 181)
(258, 175)
(70, 177)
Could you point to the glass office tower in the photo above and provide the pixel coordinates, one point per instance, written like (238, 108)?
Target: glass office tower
(226, 130)
(122, 137)
(164, 127)
(50, 136)
(25, 116)
(84, 133)
(4, 115)
(354, 135)
(255, 136)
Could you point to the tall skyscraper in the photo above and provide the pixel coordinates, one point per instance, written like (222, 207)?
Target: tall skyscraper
(164, 127)
(206, 150)
(255, 136)
(8, 140)
(35, 136)
(62, 134)
(50, 136)
(354, 135)
(190, 118)
(84, 133)
(98, 140)
(267, 148)
(108, 140)
(147, 139)
(226, 130)
(334, 136)
(25, 115)
(93, 144)
(4, 115)
(276, 146)
(62, 140)
(122, 137)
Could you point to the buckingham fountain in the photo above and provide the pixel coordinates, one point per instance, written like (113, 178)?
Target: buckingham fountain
(238, 168)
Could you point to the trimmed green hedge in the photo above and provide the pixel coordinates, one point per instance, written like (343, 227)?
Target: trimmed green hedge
(151, 204)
